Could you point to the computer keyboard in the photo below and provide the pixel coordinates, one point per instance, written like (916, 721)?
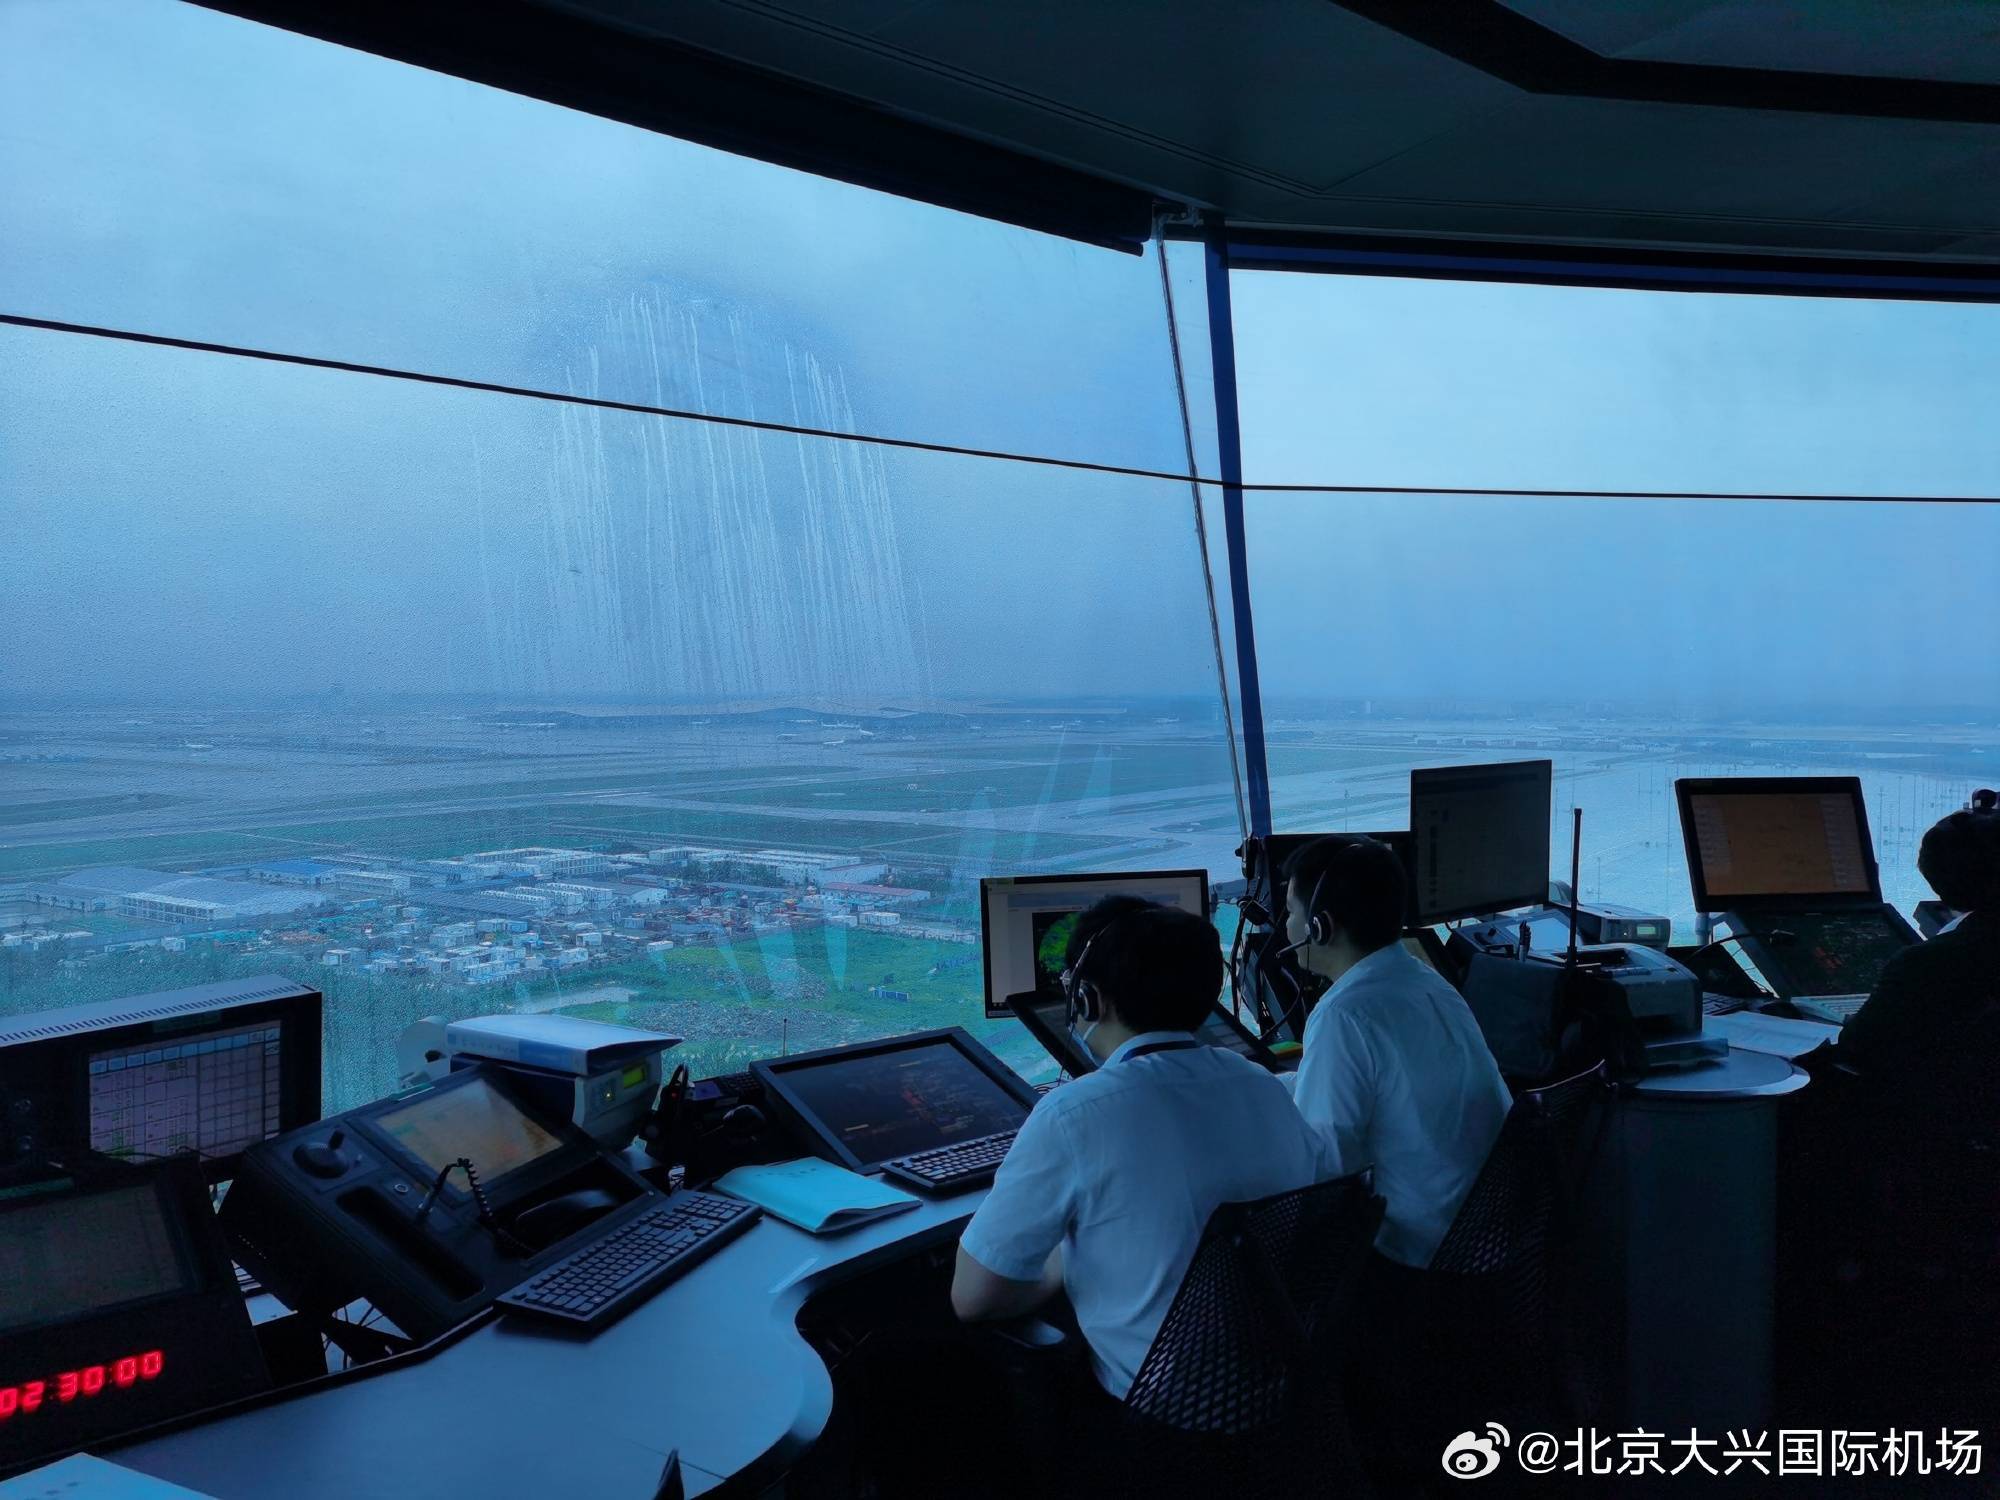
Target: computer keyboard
(949, 1168)
(1713, 1004)
(608, 1277)
(1837, 1010)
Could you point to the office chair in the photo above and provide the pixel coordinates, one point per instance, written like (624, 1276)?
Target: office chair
(1919, 1216)
(1240, 1392)
(1499, 1335)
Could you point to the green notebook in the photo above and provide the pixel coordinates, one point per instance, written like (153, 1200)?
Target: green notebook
(815, 1195)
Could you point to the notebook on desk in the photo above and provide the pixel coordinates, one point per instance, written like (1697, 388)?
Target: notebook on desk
(815, 1195)
(1774, 1035)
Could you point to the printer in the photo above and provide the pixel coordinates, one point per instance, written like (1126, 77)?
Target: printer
(600, 1077)
(1524, 998)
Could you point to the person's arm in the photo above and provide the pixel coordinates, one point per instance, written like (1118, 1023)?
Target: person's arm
(1010, 1258)
(1875, 1033)
(1336, 1090)
(977, 1295)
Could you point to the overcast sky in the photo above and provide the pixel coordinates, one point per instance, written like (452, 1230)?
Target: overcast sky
(187, 523)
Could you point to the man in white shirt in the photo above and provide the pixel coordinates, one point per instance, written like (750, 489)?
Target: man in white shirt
(1395, 1072)
(1111, 1180)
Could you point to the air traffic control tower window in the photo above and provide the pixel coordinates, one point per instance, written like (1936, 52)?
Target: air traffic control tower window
(453, 701)
(1632, 641)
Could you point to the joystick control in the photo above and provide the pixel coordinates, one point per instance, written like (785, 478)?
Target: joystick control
(323, 1158)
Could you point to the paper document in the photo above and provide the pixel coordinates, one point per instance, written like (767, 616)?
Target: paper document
(1771, 1034)
(815, 1195)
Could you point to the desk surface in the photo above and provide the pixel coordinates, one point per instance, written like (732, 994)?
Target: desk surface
(1737, 1074)
(714, 1364)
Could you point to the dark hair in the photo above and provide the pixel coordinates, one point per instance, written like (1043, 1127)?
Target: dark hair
(1360, 885)
(1161, 967)
(1960, 857)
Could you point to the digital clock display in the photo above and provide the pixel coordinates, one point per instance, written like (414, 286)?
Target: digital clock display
(82, 1384)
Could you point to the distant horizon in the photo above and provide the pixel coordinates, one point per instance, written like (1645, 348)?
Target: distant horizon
(1277, 707)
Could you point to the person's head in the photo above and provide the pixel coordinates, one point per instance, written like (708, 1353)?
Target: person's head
(1134, 966)
(1345, 897)
(1960, 857)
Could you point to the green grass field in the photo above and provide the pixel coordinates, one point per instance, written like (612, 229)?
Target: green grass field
(796, 991)
(444, 835)
(160, 851)
(788, 991)
(677, 779)
(82, 807)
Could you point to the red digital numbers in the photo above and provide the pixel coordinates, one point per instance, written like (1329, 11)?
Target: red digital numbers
(87, 1380)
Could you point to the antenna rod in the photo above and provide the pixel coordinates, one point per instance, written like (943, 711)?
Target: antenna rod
(1575, 866)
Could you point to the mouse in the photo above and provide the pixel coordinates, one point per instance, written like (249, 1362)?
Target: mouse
(559, 1218)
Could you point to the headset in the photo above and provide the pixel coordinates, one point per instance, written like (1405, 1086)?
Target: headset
(1084, 1001)
(1320, 930)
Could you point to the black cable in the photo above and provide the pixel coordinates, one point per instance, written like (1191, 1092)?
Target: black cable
(464, 1164)
(637, 408)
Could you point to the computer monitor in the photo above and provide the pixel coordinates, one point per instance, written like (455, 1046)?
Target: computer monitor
(210, 1070)
(475, 1121)
(876, 1101)
(1835, 952)
(1048, 1022)
(1025, 922)
(1278, 848)
(1777, 841)
(118, 1309)
(1482, 835)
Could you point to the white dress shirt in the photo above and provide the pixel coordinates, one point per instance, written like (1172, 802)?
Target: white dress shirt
(1122, 1169)
(1396, 1074)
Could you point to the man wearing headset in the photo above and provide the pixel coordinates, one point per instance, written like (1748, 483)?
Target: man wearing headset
(1111, 1180)
(1395, 1072)
(1923, 1023)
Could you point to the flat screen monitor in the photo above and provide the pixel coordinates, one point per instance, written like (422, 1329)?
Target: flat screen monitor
(1048, 1022)
(1280, 847)
(208, 1070)
(473, 1120)
(871, 1103)
(118, 1309)
(1025, 922)
(1825, 952)
(1769, 841)
(88, 1252)
(1482, 836)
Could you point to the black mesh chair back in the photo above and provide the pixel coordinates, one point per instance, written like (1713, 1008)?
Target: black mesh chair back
(1490, 1282)
(1240, 1388)
(1527, 1190)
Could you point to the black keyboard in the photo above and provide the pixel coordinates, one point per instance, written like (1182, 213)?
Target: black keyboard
(949, 1168)
(608, 1277)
